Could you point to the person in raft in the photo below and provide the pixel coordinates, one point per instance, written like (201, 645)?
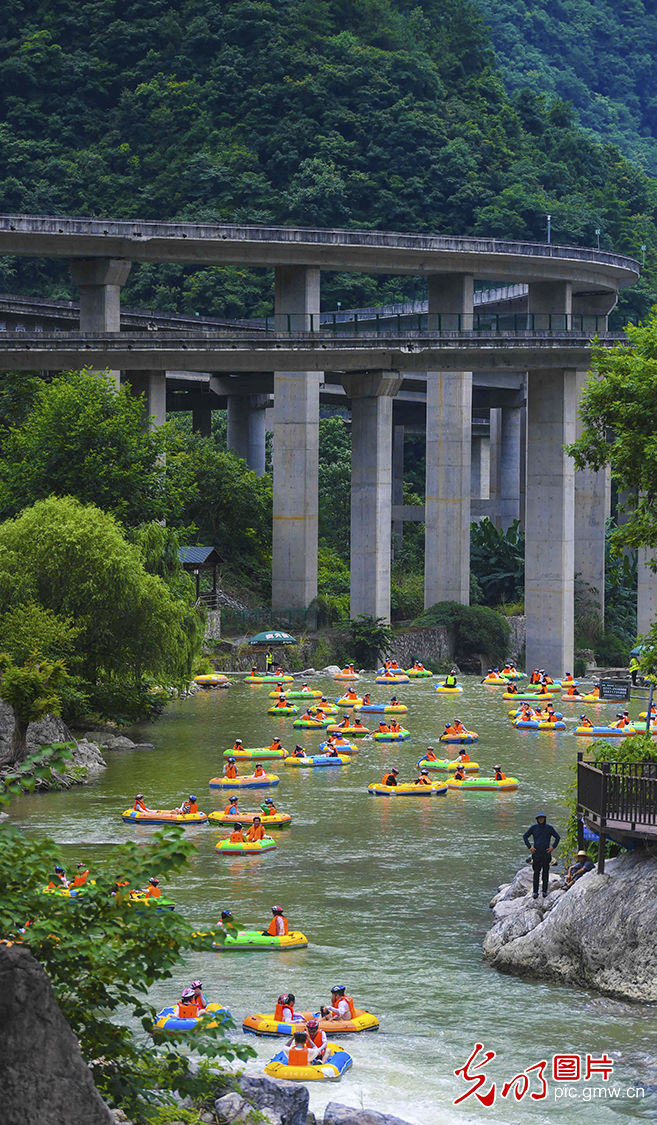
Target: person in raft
(584, 721)
(152, 889)
(298, 751)
(237, 745)
(255, 832)
(60, 879)
(81, 876)
(462, 757)
(278, 926)
(268, 808)
(200, 999)
(259, 771)
(236, 836)
(423, 779)
(430, 755)
(541, 849)
(298, 1052)
(450, 678)
(187, 1008)
(188, 806)
(511, 689)
(390, 776)
(284, 1011)
(230, 769)
(317, 1038)
(231, 808)
(341, 1006)
(282, 701)
(139, 805)
(226, 922)
(497, 774)
(459, 773)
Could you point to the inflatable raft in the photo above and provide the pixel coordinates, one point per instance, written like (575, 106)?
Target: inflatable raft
(255, 753)
(514, 713)
(381, 708)
(329, 1071)
(606, 732)
(282, 711)
(248, 847)
(495, 680)
(342, 747)
(538, 724)
(395, 678)
(465, 736)
(418, 673)
(446, 765)
(484, 784)
(345, 702)
(296, 694)
(211, 679)
(168, 1021)
(346, 676)
(268, 679)
(268, 1025)
(248, 782)
(407, 789)
(392, 735)
(143, 902)
(163, 816)
(246, 940)
(276, 820)
(353, 732)
(527, 696)
(317, 760)
(310, 724)
(449, 690)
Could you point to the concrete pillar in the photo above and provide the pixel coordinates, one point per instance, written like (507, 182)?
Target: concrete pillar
(153, 386)
(592, 508)
(550, 523)
(202, 418)
(295, 451)
(245, 430)
(476, 457)
(371, 397)
(549, 306)
(646, 599)
(99, 281)
(397, 484)
(508, 500)
(522, 507)
(449, 433)
(494, 463)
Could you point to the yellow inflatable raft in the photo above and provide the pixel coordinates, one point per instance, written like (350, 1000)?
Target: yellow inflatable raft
(330, 1071)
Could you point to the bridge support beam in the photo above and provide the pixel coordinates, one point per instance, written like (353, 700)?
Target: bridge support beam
(153, 385)
(592, 507)
(397, 485)
(99, 281)
(371, 397)
(550, 520)
(646, 599)
(449, 430)
(296, 451)
(508, 500)
(245, 433)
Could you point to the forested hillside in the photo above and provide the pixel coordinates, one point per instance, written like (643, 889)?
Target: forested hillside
(601, 55)
(368, 113)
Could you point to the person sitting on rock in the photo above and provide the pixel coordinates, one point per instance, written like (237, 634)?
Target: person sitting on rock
(139, 805)
(255, 832)
(581, 866)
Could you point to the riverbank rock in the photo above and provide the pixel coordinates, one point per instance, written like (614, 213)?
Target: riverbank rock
(336, 1114)
(87, 760)
(280, 1103)
(109, 740)
(43, 1077)
(598, 935)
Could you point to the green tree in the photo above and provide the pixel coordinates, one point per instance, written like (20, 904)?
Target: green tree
(497, 560)
(73, 561)
(474, 631)
(84, 438)
(33, 690)
(371, 639)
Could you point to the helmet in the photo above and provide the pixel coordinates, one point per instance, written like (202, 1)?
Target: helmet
(187, 994)
(277, 909)
(497, 767)
(238, 740)
(277, 738)
(226, 914)
(269, 801)
(59, 869)
(81, 865)
(312, 1024)
(424, 771)
(155, 882)
(139, 796)
(282, 998)
(338, 988)
(192, 797)
(393, 770)
(429, 747)
(196, 984)
(582, 716)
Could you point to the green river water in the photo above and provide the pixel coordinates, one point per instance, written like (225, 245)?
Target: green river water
(392, 894)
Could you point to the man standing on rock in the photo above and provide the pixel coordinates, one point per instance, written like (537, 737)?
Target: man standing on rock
(541, 849)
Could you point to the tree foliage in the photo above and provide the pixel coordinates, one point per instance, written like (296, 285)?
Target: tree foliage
(497, 560)
(473, 630)
(371, 639)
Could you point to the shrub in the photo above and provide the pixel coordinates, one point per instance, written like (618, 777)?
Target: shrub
(473, 629)
(371, 638)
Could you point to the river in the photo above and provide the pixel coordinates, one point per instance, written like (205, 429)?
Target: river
(393, 895)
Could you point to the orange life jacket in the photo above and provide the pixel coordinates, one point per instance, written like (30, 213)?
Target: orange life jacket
(430, 756)
(153, 892)
(140, 806)
(586, 723)
(276, 744)
(80, 880)
(384, 728)
(187, 1011)
(259, 772)
(278, 1012)
(512, 689)
(271, 929)
(388, 777)
(236, 837)
(282, 702)
(351, 693)
(231, 771)
(237, 748)
(193, 807)
(459, 774)
(231, 809)
(463, 757)
(499, 776)
(318, 1039)
(358, 723)
(269, 811)
(352, 1010)
(255, 832)
(299, 1056)
(424, 781)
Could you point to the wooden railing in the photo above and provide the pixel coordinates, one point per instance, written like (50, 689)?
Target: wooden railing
(622, 794)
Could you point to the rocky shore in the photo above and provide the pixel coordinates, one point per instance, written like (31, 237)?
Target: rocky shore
(600, 934)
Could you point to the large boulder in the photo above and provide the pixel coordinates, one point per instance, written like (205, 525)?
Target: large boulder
(598, 935)
(87, 760)
(336, 1114)
(281, 1102)
(43, 1077)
